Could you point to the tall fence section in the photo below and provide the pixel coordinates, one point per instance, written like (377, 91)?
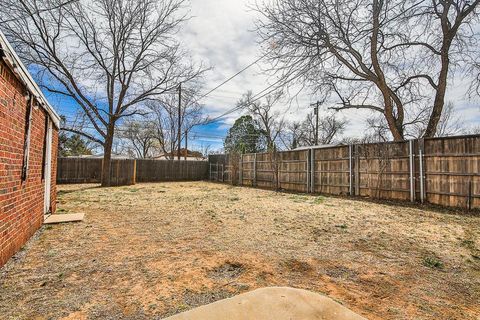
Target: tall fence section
(129, 171)
(443, 171)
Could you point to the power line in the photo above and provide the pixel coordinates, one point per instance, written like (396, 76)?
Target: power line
(238, 107)
(232, 77)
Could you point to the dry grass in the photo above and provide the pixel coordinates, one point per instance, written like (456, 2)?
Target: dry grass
(152, 250)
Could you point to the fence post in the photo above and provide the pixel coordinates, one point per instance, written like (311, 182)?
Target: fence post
(350, 168)
(308, 169)
(470, 198)
(223, 174)
(412, 177)
(357, 168)
(240, 169)
(134, 178)
(210, 171)
(422, 175)
(255, 169)
(312, 169)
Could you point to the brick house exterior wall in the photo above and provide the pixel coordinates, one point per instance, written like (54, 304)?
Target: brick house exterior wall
(21, 202)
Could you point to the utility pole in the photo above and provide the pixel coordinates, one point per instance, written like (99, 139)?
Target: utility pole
(315, 111)
(179, 119)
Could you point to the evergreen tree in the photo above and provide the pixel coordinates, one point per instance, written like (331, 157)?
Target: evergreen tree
(73, 145)
(244, 136)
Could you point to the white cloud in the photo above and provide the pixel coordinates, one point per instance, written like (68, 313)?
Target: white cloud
(221, 35)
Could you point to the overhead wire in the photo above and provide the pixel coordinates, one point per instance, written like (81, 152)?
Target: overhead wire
(255, 98)
(240, 106)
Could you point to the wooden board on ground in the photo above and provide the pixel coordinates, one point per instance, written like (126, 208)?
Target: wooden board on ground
(63, 218)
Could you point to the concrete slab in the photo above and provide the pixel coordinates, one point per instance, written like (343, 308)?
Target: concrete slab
(63, 218)
(274, 303)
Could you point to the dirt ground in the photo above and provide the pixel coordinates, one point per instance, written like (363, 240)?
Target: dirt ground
(153, 250)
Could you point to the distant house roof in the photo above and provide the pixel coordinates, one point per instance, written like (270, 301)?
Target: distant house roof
(183, 152)
(13, 61)
(189, 158)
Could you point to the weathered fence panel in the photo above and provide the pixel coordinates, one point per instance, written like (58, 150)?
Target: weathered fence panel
(170, 170)
(265, 171)
(384, 170)
(84, 170)
(452, 171)
(331, 170)
(247, 169)
(122, 172)
(443, 171)
(129, 171)
(293, 171)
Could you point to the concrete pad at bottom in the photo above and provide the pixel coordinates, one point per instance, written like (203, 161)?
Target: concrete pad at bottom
(272, 304)
(62, 218)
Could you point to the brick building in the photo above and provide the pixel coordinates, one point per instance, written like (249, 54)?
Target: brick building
(28, 153)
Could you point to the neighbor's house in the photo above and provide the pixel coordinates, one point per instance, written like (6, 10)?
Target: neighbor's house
(28, 153)
(185, 154)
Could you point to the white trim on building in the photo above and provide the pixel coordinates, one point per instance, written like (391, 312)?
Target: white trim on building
(21, 71)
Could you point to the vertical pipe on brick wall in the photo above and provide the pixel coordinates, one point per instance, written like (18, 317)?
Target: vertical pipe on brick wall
(412, 182)
(350, 168)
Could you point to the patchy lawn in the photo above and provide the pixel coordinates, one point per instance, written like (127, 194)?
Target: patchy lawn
(153, 250)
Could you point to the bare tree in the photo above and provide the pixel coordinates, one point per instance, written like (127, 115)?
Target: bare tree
(293, 135)
(388, 57)
(55, 5)
(165, 115)
(271, 122)
(329, 128)
(138, 138)
(109, 56)
(450, 124)
(302, 134)
(474, 130)
(204, 149)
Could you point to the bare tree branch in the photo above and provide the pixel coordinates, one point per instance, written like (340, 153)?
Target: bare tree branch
(109, 56)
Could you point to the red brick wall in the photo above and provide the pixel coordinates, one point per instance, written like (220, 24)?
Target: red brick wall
(21, 202)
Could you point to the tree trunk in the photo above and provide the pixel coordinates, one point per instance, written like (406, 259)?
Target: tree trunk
(393, 124)
(440, 94)
(107, 156)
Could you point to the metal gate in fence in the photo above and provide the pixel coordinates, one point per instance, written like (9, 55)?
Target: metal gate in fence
(217, 172)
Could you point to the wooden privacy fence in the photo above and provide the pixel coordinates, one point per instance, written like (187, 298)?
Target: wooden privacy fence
(165, 170)
(85, 170)
(129, 171)
(444, 171)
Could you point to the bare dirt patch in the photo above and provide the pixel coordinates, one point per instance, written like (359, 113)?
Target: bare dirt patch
(152, 250)
(227, 270)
